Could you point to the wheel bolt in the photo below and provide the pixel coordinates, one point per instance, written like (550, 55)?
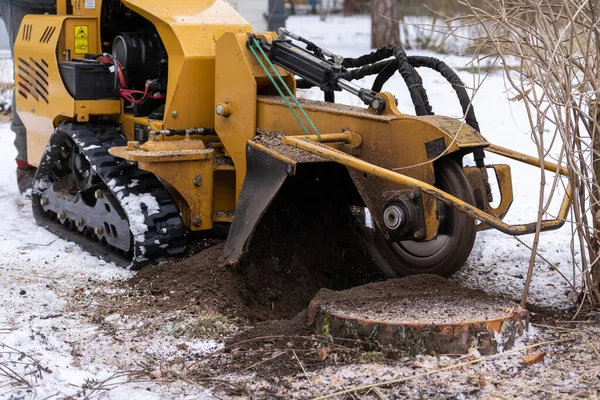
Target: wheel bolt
(79, 222)
(98, 194)
(98, 230)
(44, 201)
(61, 215)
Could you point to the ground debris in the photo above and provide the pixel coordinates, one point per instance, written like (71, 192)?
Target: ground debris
(533, 358)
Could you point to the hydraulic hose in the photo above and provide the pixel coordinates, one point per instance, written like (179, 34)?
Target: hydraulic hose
(407, 71)
(378, 63)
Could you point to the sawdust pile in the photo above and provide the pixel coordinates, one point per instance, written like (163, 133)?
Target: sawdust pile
(421, 299)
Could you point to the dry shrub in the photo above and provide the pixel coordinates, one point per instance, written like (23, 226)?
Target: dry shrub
(549, 50)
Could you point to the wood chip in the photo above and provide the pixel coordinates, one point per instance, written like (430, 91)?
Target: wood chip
(533, 358)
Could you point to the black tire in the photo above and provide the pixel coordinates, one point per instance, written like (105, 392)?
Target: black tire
(445, 254)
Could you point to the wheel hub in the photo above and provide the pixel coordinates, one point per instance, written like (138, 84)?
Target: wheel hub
(397, 239)
(393, 217)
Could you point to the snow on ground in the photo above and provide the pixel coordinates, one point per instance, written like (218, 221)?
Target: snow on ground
(40, 274)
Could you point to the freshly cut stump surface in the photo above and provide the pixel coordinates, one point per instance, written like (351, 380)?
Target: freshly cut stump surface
(424, 314)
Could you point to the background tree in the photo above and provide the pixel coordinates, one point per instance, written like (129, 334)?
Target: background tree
(385, 27)
(351, 7)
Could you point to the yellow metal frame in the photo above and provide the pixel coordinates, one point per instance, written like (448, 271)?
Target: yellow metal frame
(504, 179)
(209, 64)
(187, 158)
(324, 151)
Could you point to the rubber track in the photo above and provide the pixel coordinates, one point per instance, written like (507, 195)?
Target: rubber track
(165, 234)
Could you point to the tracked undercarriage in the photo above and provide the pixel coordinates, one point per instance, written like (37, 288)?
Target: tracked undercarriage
(103, 203)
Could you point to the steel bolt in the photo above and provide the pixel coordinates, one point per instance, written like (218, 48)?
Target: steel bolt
(418, 234)
(79, 222)
(197, 180)
(44, 201)
(338, 61)
(132, 145)
(197, 221)
(98, 194)
(61, 215)
(175, 114)
(413, 195)
(376, 104)
(98, 230)
(223, 110)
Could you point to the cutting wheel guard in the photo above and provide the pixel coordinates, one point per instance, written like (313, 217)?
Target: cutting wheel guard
(306, 144)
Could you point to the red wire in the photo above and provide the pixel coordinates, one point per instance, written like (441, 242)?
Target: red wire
(120, 73)
(127, 94)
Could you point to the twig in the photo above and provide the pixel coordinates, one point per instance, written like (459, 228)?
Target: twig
(196, 383)
(554, 268)
(556, 43)
(575, 321)
(583, 335)
(264, 361)
(52, 316)
(451, 367)
(303, 370)
(579, 331)
(379, 394)
(41, 244)
(315, 338)
(92, 388)
(36, 371)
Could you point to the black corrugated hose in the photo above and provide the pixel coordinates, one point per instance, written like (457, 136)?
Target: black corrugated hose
(378, 63)
(407, 71)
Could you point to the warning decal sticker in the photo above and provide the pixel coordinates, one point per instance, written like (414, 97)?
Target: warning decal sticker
(82, 40)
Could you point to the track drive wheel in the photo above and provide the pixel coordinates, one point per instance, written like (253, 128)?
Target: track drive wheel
(448, 251)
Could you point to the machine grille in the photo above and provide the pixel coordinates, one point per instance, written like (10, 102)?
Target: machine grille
(33, 78)
(26, 35)
(47, 35)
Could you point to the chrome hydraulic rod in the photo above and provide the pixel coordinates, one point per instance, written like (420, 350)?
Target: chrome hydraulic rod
(349, 86)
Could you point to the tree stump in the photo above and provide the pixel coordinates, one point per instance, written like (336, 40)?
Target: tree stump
(424, 314)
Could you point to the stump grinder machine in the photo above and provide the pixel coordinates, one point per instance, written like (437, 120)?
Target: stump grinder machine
(152, 120)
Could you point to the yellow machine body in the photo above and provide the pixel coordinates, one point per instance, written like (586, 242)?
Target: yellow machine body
(211, 66)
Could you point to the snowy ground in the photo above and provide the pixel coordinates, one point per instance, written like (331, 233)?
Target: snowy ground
(49, 287)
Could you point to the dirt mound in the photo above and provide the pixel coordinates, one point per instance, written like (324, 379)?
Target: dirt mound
(289, 261)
